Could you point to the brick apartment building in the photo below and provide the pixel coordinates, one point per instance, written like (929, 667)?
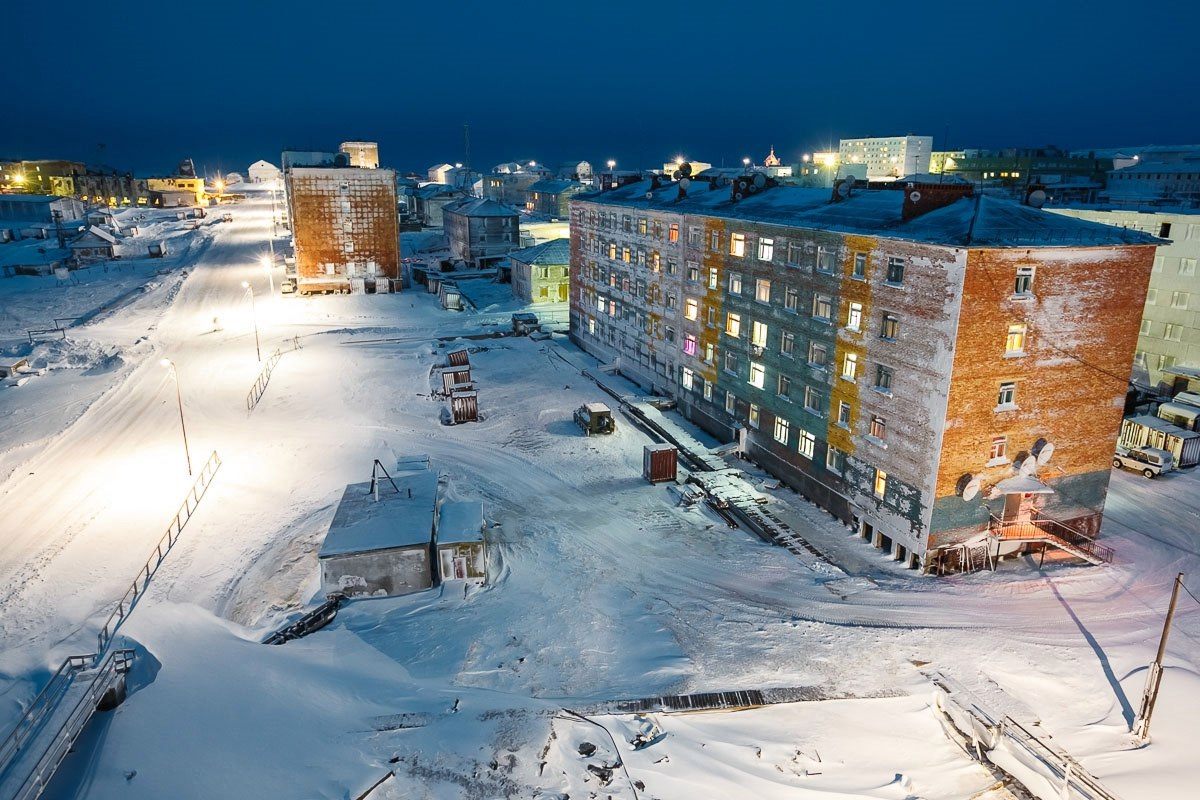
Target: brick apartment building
(943, 371)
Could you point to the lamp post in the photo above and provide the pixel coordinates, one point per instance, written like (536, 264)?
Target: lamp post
(612, 176)
(166, 362)
(746, 162)
(254, 317)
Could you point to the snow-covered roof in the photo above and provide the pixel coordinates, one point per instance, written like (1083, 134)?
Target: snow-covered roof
(1190, 165)
(555, 251)
(398, 519)
(91, 235)
(29, 198)
(976, 221)
(260, 164)
(434, 190)
(1160, 424)
(554, 187)
(460, 522)
(480, 207)
(1022, 484)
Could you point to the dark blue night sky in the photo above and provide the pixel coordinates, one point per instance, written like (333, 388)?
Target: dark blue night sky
(137, 85)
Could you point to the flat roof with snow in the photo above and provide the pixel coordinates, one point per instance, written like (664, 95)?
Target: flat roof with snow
(460, 522)
(401, 518)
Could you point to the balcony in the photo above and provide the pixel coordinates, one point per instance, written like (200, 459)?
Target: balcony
(1042, 529)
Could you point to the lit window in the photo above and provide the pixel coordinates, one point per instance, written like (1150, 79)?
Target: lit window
(758, 334)
(807, 444)
(690, 344)
(1015, 343)
(754, 417)
(708, 389)
(835, 460)
(766, 249)
(880, 483)
(854, 316)
(784, 387)
(712, 277)
(733, 324)
(787, 343)
(642, 226)
(791, 299)
(1024, 284)
(895, 270)
(735, 283)
(691, 308)
(878, 427)
(673, 232)
(758, 375)
(689, 378)
(730, 402)
(860, 266)
(762, 290)
(737, 244)
(626, 255)
(823, 307)
(1008, 394)
(843, 414)
(781, 430)
(998, 449)
(850, 366)
(710, 352)
(818, 354)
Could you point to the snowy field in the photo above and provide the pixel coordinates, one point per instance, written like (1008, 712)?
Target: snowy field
(602, 588)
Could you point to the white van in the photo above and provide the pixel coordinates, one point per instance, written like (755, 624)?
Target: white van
(1187, 398)
(1150, 461)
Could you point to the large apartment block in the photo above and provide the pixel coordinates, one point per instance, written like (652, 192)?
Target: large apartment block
(345, 227)
(942, 370)
(888, 158)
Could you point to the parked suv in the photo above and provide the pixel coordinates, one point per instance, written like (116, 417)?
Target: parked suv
(1150, 461)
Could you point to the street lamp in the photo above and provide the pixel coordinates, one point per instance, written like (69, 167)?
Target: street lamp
(746, 162)
(254, 317)
(612, 176)
(166, 362)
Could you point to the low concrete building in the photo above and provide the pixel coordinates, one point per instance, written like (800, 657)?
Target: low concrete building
(39, 208)
(461, 549)
(541, 274)
(262, 172)
(94, 244)
(379, 542)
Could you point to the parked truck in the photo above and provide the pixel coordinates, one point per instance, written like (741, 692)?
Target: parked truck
(595, 418)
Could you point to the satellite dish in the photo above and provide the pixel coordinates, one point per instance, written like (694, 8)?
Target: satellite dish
(737, 196)
(971, 490)
(752, 188)
(677, 174)
(1043, 456)
(850, 183)
(684, 183)
(1028, 466)
(1037, 198)
(914, 196)
(760, 180)
(686, 169)
(649, 195)
(843, 189)
(742, 184)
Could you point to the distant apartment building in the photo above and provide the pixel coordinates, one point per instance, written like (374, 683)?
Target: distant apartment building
(942, 371)
(1065, 177)
(1155, 185)
(481, 231)
(345, 227)
(542, 273)
(45, 176)
(888, 158)
(1169, 336)
(362, 154)
(552, 198)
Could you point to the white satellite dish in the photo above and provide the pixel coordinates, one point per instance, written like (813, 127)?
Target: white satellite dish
(1043, 456)
(649, 195)
(685, 183)
(1037, 198)
(843, 189)
(760, 180)
(971, 490)
(1028, 466)
(914, 196)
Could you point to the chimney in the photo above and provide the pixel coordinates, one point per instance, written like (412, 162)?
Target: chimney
(921, 198)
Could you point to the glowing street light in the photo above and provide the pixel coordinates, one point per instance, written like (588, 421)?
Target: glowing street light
(746, 162)
(268, 262)
(254, 317)
(166, 362)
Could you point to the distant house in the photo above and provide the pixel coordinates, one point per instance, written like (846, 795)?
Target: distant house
(509, 187)
(541, 274)
(437, 173)
(94, 244)
(39, 208)
(379, 542)
(461, 549)
(430, 199)
(262, 172)
(575, 171)
(552, 198)
(481, 231)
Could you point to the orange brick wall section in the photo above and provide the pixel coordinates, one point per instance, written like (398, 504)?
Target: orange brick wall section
(1083, 325)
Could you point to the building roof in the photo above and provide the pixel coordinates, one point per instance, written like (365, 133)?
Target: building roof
(1160, 424)
(975, 221)
(555, 251)
(434, 190)
(554, 187)
(29, 198)
(398, 519)
(91, 235)
(261, 163)
(460, 522)
(1151, 167)
(480, 207)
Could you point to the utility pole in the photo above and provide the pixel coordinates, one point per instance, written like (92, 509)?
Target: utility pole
(1141, 726)
(58, 228)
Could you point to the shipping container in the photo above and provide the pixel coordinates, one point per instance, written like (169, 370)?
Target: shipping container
(464, 405)
(659, 463)
(1147, 431)
(453, 375)
(459, 358)
(1180, 414)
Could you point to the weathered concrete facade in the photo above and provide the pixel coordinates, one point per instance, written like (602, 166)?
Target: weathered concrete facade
(481, 231)
(850, 345)
(345, 226)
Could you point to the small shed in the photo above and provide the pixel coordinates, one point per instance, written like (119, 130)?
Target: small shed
(157, 249)
(459, 358)
(464, 404)
(450, 296)
(1147, 431)
(93, 244)
(378, 544)
(659, 463)
(461, 549)
(454, 375)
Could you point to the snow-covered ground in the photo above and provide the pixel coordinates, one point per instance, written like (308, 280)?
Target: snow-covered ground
(602, 588)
